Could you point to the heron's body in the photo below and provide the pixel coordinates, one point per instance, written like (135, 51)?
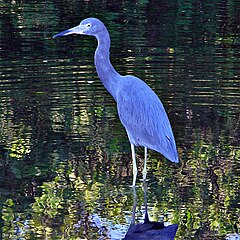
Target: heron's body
(142, 114)
(139, 108)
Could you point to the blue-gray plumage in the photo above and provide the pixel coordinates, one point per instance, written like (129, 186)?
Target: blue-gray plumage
(139, 108)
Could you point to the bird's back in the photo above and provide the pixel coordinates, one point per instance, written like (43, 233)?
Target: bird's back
(144, 117)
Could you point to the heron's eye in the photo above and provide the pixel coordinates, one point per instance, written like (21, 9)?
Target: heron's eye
(89, 25)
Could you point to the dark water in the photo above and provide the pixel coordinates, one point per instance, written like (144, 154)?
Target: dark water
(65, 161)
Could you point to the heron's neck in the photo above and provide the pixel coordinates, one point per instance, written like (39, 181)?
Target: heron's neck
(107, 74)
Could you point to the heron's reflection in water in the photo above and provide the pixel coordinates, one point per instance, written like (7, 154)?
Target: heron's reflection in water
(148, 229)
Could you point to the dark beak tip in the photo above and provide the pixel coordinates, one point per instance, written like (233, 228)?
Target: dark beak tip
(66, 32)
(57, 35)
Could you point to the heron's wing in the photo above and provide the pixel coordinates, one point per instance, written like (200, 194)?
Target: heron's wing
(144, 117)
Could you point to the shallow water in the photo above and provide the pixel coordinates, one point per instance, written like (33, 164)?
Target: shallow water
(65, 168)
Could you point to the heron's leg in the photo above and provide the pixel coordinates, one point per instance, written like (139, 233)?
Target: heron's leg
(134, 165)
(134, 205)
(146, 218)
(145, 164)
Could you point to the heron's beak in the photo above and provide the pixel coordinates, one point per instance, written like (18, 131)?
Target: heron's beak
(75, 30)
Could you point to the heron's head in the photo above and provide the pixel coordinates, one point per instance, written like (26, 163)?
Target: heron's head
(89, 26)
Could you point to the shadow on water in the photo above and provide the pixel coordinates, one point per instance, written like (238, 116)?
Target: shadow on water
(148, 229)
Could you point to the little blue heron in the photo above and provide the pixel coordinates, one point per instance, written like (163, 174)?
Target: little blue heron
(139, 108)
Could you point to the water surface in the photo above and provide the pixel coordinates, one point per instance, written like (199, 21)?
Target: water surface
(65, 168)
